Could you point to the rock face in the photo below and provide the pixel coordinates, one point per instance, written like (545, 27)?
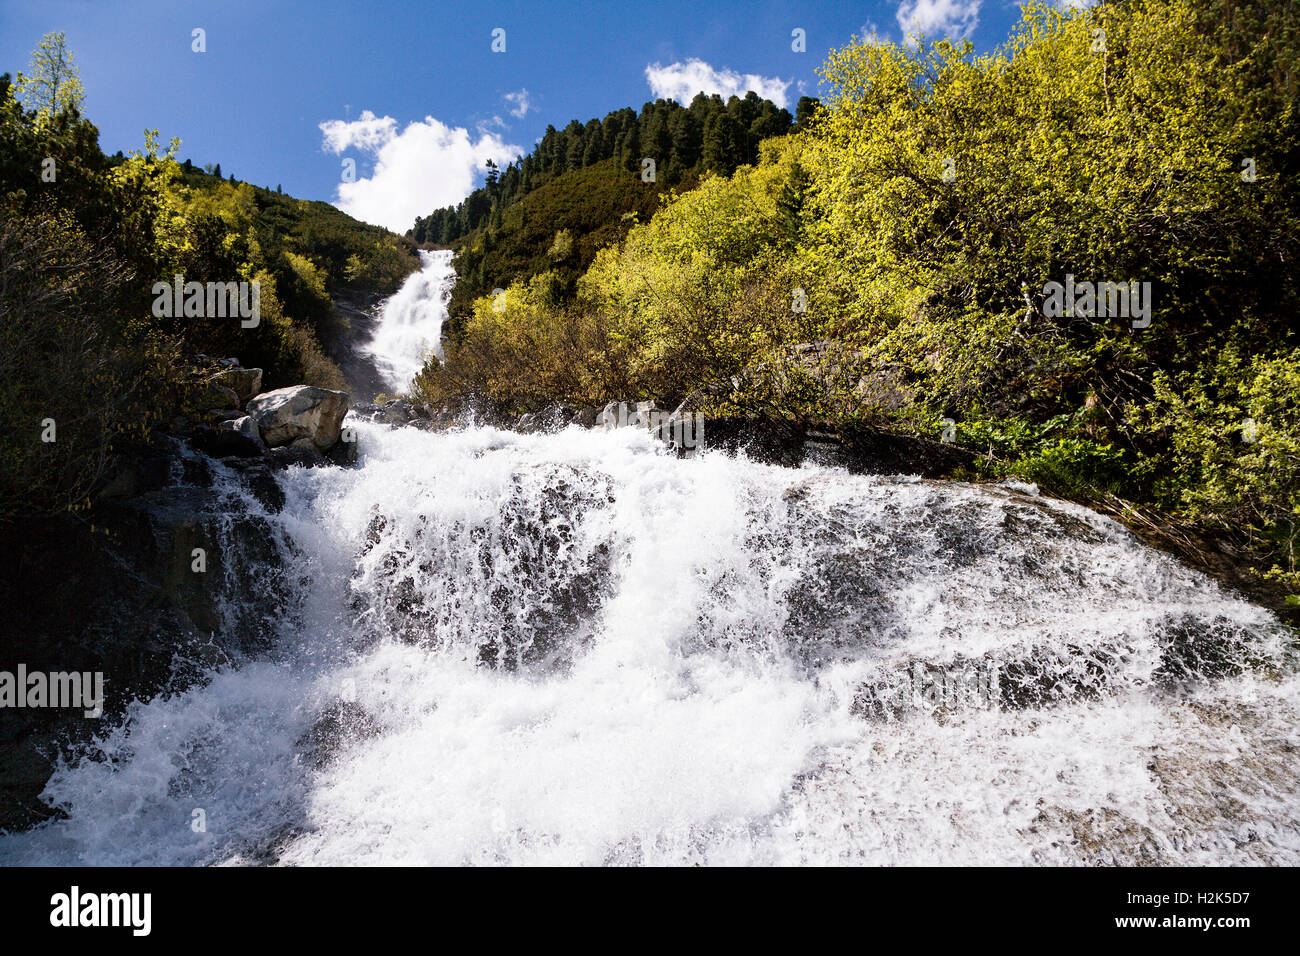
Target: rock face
(245, 382)
(156, 597)
(239, 436)
(219, 396)
(286, 415)
(340, 724)
(550, 419)
(586, 417)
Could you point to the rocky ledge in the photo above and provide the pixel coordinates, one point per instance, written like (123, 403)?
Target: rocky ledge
(160, 593)
(685, 430)
(297, 425)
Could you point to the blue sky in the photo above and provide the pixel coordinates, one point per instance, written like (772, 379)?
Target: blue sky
(412, 91)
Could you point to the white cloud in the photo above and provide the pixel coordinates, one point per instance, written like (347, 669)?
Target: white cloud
(520, 103)
(681, 81)
(367, 133)
(955, 19)
(425, 166)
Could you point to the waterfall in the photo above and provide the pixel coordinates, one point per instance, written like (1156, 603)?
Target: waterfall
(578, 649)
(411, 324)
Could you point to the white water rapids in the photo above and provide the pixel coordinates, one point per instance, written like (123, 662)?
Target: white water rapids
(579, 649)
(683, 648)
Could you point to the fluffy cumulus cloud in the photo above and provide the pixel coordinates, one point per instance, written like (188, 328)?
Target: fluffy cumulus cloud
(955, 19)
(415, 170)
(681, 81)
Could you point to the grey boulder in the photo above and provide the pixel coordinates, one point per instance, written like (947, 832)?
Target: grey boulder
(288, 415)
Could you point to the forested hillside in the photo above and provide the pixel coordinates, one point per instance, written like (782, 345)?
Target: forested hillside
(899, 264)
(84, 238)
(584, 185)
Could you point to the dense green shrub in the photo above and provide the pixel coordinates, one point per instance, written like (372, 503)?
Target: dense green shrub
(888, 264)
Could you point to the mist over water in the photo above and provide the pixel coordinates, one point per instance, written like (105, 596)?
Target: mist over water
(578, 649)
(411, 324)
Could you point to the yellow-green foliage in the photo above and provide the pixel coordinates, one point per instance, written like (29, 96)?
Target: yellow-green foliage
(518, 351)
(51, 85)
(382, 264)
(921, 211)
(1236, 447)
(704, 290)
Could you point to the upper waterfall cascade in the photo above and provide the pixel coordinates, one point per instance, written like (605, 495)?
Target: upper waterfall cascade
(410, 327)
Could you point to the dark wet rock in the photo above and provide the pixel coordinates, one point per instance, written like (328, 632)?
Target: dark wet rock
(397, 412)
(238, 437)
(136, 475)
(346, 449)
(586, 417)
(551, 419)
(556, 418)
(157, 595)
(226, 439)
(521, 589)
(24, 771)
(299, 457)
(259, 479)
(1195, 649)
(338, 725)
(773, 441)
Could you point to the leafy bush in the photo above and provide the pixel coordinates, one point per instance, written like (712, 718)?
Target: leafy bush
(77, 384)
(1235, 430)
(919, 212)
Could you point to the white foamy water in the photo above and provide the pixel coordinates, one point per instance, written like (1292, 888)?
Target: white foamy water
(410, 326)
(494, 648)
(578, 649)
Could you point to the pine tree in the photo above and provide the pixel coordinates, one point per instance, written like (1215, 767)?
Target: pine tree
(805, 110)
(687, 137)
(723, 143)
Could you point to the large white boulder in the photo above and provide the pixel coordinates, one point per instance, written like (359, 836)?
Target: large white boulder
(286, 415)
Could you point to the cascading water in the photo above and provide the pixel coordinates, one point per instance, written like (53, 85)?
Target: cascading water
(411, 324)
(577, 648)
